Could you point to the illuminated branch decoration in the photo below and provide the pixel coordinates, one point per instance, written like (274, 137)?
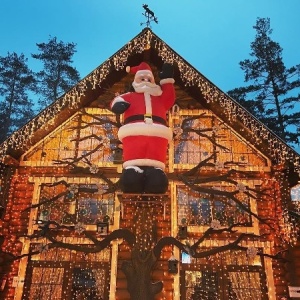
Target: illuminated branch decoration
(99, 121)
(49, 230)
(145, 249)
(193, 249)
(196, 182)
(200, 185)
(112, 186)
(73, 188)
(100, 142)
(185, 128)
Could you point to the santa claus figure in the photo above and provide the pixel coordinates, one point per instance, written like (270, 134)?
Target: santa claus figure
(145, 135)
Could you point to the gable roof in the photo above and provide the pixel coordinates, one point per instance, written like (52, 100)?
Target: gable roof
(147, 46)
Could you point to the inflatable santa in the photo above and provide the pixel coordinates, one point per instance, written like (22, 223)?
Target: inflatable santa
(145, 135)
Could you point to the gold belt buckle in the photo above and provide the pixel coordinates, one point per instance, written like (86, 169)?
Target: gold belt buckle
(147, 116)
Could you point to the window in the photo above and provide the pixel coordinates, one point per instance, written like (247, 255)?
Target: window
(88, 283)
(69, 204)
(222, 285)
(201, 285)
(63, 274)
(46, 283)
(199, 209)
(245, 285)
(226, 276)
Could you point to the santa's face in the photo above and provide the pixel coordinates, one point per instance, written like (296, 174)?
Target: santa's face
(144, 83)
(144, 77)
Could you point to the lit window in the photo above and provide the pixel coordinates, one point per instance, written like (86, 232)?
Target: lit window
(199, 209)
(228, 275)
(76, 203)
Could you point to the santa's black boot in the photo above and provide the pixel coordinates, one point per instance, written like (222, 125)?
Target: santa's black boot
(156, 181)
(132, 180)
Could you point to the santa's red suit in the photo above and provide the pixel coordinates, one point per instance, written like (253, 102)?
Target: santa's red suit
(144, 135)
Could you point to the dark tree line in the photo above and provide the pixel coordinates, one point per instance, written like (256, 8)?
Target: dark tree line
(19, 84)
(272, 91)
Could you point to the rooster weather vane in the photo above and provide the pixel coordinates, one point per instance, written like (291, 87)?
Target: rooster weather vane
(149, 14)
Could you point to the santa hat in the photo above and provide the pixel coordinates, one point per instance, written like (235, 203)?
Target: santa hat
(142, 68)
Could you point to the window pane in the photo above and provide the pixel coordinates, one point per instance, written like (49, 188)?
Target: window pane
(196, 208)
(201, 285)
(224, 276)
(245, 285)
(46, 283)
(76, 203)
(88, 283)
(93, 208)
(187, 150)
(58, 202)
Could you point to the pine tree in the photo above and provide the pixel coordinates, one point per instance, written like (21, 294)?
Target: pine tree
(16, 81)
(58, 75)
(273, 90)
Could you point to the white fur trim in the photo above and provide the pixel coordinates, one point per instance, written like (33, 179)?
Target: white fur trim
(137, 169)
(146, 162)
(148, 103)
(117, 99)
(167, 80)
(144, 129)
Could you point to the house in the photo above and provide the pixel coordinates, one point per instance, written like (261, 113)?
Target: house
(225, 229)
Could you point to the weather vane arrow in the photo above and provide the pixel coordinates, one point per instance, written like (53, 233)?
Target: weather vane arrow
(150, 17)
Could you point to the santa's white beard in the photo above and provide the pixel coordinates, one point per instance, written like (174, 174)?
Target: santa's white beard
(147, 87)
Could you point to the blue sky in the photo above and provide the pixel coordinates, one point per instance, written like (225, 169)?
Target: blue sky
(213, 36)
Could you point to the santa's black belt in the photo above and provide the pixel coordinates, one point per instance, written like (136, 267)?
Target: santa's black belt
(155, 119)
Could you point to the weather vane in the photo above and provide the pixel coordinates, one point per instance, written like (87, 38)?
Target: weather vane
(149, 14)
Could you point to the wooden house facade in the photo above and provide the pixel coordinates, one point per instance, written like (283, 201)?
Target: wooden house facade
(223, 230)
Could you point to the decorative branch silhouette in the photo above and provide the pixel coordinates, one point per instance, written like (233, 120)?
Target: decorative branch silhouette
(200, 132)
(139, 269)
(112, 187)
(102, 140)
(50, 229)
(99, 121)
(191, 179)
(193, 249)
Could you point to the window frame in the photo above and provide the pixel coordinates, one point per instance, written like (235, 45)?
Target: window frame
(34, 212)
(254, 228)
(67, 276)
(223, 277)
